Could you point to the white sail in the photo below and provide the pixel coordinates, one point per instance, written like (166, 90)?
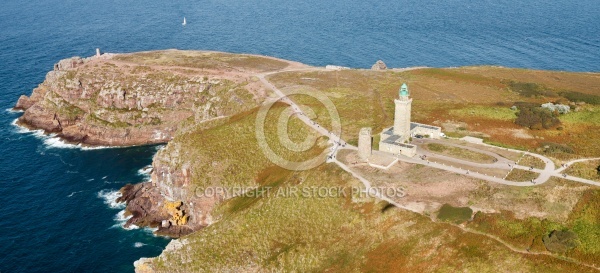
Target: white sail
(184, 22)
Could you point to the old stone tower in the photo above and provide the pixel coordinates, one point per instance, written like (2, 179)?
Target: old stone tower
(364, 144)
(402, 113)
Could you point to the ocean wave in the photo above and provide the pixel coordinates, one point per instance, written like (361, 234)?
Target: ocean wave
(121, 219)
(145, 172)
(110, 198)
(73, 193)
(11, 110)
(52, 140)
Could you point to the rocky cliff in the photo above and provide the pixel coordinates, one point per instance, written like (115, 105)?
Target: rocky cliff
(145, 98)
(119, 100)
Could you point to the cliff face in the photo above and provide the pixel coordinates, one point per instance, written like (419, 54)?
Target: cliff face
(145, 98)
(116, 100)
(169, 202)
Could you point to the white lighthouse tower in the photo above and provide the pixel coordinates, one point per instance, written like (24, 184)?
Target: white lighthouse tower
(402, 113)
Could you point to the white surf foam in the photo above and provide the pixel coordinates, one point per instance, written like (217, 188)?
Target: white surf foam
(51, 140)
(11, 110)
(73, 193)
(120, 220)
(110, 198)
(145, 172)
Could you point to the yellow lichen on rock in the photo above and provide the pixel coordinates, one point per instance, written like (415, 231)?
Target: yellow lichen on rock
(178, 216)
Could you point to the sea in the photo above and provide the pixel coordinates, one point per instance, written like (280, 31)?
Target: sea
(57, 209)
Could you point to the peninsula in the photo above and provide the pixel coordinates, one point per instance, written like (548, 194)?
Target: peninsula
(484, 168)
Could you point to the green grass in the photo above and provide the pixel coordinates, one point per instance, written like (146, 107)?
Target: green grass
(455, 215)
(459, 153)
(583, 221)
(586, 169)
(310, 233)
(521, 233)
(589, 115)
(581, 97)
(531, 161)
(529, 89)
(204, 60)
(483, 111)
(519, 175)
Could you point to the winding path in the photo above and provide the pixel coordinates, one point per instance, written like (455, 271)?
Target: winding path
(502, 163)
(545, 174)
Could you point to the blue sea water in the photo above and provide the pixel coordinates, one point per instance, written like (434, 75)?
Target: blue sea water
(54, 213)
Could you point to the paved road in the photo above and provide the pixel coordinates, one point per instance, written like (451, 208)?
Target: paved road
(548, 171)
(502, 163)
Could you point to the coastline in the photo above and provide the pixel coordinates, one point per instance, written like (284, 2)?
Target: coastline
(161, 203)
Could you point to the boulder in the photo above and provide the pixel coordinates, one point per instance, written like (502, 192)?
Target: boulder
(23, 103)
(379, 65)
(68, 64)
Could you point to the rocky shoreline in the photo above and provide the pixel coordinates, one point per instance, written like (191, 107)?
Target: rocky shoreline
(148, 208)
(121, 100)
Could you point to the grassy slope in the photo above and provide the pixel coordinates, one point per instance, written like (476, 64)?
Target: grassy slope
(584, 221)
(308, 234)
(338, 235)
(479, 97)
(205, 60)
(460, 153)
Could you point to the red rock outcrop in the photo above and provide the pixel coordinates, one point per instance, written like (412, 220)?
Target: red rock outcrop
(103, 101)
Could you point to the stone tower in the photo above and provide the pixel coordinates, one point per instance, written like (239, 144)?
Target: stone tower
(402, 114)
(364, 144)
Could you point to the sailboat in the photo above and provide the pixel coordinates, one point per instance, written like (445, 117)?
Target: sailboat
(184, 22)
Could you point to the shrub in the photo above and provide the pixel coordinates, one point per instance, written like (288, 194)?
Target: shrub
(581, 97)
(528, 89)
(550, 147)
(534, 117)
(455, 215)
(560, 241)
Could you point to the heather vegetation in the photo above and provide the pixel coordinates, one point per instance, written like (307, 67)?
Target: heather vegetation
(528, 89)
(535, 117)
(459, 153)
(469, 101)
(309, 233)
(204, 60)
(581, 97)
(532, 161)
(578, 237)
(587, 169)
(316, 234)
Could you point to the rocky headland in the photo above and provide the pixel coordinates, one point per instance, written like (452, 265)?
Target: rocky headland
(144, 98)
(204, 106)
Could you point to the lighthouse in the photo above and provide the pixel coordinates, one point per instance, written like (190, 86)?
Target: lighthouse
(402, 113)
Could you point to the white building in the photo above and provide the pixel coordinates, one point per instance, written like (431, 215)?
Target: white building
(394, 139)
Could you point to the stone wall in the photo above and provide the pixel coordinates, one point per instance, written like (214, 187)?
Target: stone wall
(403, 149)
